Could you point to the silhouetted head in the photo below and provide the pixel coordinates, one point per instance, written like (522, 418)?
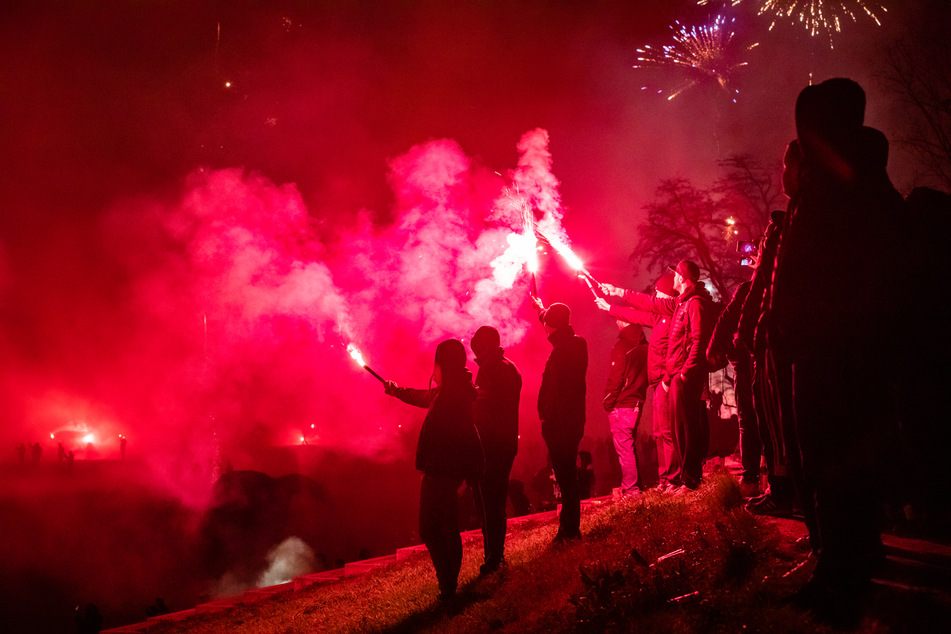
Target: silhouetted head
(485, 341)
(665, 286)
(556, 316)
(792, 161)
(829, 118)
(451, 355)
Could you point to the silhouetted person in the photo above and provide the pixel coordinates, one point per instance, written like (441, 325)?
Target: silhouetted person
(668, 458)
(496, 417)
(925, 372)
(21, 453)
(157, 608)
(448, 453)
(772, 381)
(624, 394)
(36, 452)
(90, 621)
(833, 296)
(561, 407)
(543, 484)
(60, 452)
(723, 344)
(521, 505)
(585, 475)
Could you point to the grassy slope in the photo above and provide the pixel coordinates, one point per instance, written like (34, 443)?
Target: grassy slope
(729, 577)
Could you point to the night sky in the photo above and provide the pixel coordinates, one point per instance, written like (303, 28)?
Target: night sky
(201, 203)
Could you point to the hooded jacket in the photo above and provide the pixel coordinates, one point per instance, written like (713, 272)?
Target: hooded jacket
(499, 385)
(449, 444)
(722, 340)
(627, 377)
(561, 405)
(657, 344)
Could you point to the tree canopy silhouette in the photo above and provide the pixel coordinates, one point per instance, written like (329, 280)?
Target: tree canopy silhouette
(706, 224)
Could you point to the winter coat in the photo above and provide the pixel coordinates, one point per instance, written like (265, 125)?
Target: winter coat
(692, 316)
(721, 341)
(496, 408)
(657, 344)
(449, 443)
(561, 404)
(627, 377)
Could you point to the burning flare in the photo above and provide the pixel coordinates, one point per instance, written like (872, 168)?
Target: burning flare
(355, 354)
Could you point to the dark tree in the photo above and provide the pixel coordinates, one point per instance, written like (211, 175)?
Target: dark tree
(705, 225)
(918, 74)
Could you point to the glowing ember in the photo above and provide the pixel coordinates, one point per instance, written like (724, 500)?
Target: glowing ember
(817, 16)
(703, 51)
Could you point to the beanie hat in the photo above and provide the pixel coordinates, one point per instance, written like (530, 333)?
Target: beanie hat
(485, 340)
(665, 285)
(556, 316)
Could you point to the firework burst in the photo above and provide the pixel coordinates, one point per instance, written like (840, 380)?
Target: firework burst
(817, 16)
(703, 52)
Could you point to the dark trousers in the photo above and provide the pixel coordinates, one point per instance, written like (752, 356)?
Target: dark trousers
(691, 428)
(751, 447)
(564, 462)
(844, 414)
(439, 528)
(668, 458)
(766, 401)
(491, 497)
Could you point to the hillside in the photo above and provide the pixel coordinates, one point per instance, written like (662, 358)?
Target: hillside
(693, 563)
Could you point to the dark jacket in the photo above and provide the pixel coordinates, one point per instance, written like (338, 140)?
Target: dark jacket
(627, 377)
(721, 341)
(692, 317)
(496, 409)
(751, 331)
(657, 344)
(834, 284)
(448, 443)
(561, 396)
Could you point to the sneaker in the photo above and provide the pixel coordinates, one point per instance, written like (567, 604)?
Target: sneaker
(768, 505)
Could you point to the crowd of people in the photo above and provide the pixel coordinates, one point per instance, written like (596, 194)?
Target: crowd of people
(830, 393)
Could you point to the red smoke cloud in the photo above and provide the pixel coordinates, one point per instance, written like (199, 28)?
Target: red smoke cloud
(236, 316)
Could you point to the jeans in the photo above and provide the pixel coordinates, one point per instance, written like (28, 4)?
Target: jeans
(624, 431)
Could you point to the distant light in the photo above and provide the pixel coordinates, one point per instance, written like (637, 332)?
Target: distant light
(311, 425)
(227, 84)
(89, 438)
(51, 435)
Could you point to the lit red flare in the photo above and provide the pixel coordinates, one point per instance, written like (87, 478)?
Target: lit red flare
(355, 354)
(575, 263)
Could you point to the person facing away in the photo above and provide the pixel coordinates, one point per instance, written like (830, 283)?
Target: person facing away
(561, 408)
(495, 410)
(448, 452)
(624, 394)
(834, 292)
(668, 458)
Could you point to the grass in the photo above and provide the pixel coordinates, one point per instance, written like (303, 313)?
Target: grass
(693, 563)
